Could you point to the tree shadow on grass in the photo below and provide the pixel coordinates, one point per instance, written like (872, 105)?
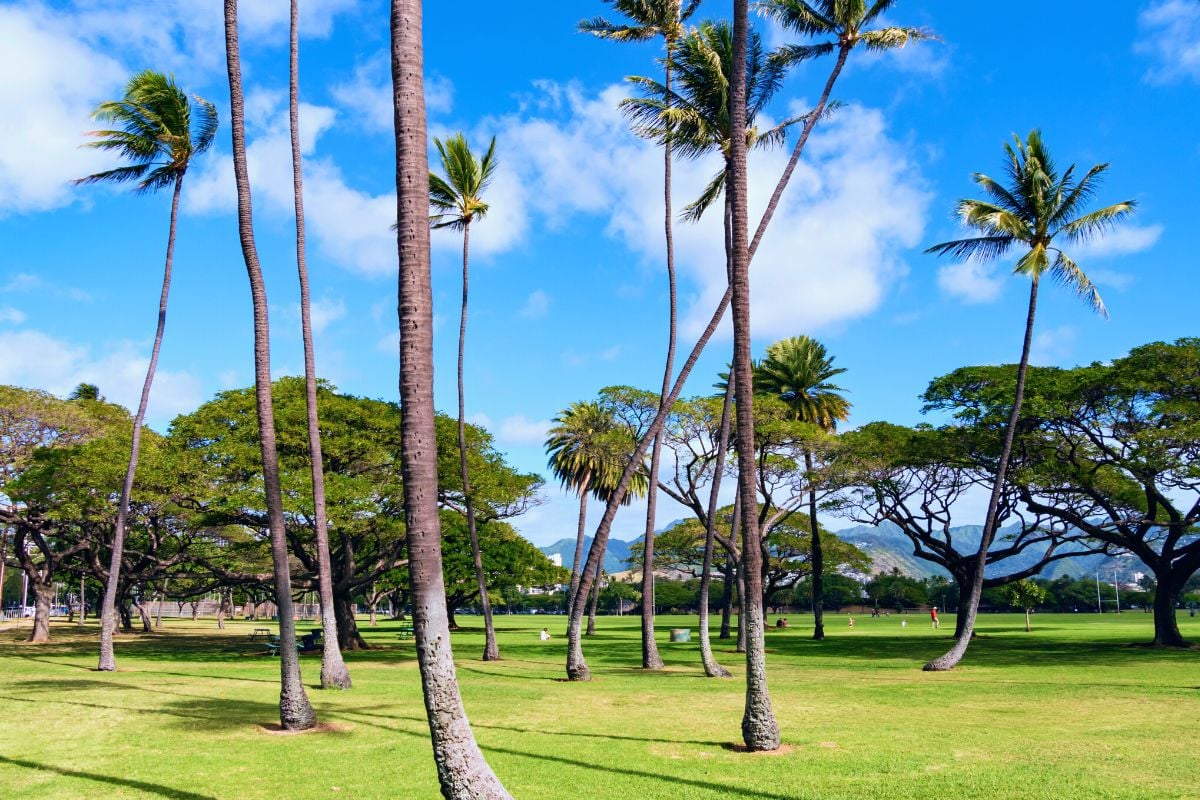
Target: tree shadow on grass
(141, 786)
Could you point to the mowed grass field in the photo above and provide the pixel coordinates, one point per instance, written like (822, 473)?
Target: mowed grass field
(1070, 710)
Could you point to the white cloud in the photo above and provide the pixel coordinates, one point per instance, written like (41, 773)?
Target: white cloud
(36, 359)
(325, 312)
(518, 429)
(970, 281)
(11, 316)
(536, 305)
(367, 95)
(1170, 38)
(1121, 241)
(855, 202)
(1053, 346)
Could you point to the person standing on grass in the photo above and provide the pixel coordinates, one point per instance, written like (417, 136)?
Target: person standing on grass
(934, 617)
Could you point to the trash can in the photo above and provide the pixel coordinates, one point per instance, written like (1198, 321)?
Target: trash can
(681, 634)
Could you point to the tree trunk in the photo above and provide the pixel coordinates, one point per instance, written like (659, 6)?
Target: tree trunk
(221, 614)
(82, 600)
(727, 596)
(576, 572)
(195, 610)
(126, 615)
(816, 556)
(3, 563)
(968, 612)
(1166, 629)
(759, 728)
(463, 772)
(491, 650)
(144, 615)
(1028, 623)
(334, 674)
(161, 596)
(593, 602)
(108, 661)
(711, 668)
(43, 595)
(346, 635)
(295, 712)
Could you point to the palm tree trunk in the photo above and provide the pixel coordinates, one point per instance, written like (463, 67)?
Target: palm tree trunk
(295, 712)
(82, 596)
(463, 772)
(162, 592)
(968, 612)
(595, 600)
(727, 596)
(816, 556)
(711, 668)
(759, 729)
(575, 571)
(491, 650)
(650, 656)
(334, 674)
(108, 614)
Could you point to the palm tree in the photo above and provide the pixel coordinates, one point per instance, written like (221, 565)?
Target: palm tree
(334, 674)
(760, 731)
(457, 202)
(463, 772)
(797, 370)
(844, 26)
(588, 449)
(154, 129)
(650, 19)
(1037, 206)
(85, 391)
(295, 712)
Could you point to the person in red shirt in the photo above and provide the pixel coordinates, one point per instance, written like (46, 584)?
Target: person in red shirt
(934, 617)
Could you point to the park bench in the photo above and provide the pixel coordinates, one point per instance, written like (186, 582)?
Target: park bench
(406, 631)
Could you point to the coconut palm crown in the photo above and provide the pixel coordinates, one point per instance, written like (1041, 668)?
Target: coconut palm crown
(844, 22)
(650, 18)
(457, 199)
(153, 128)
(588, 450)
(695, 115)
(797, 371)
(1036, 208)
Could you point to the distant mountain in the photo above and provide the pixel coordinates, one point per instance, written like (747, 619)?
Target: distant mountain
(615, 556)
(889, 548)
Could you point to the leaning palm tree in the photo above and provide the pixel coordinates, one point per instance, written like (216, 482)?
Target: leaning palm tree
(588, 449)
(797, 370)
(457, 201)
(1036, 211)
(760, 731)
(295, 712)
(649, 19)
(463, 772)
(843, 25)
(154, 129)
(334, 674)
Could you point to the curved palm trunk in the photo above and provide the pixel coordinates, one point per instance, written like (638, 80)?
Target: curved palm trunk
(575, 571)
(491, 650)
(968, 612)
(334, 674)
(711, 668)
(759, 729)
(463, 772)
(816, 556)
(595, 600)
(295, 712)
(577, 668)
(650, 656)
(108, 613)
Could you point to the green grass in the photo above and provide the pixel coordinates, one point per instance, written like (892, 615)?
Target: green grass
(1068, 711)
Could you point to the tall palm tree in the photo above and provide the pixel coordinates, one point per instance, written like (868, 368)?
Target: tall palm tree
(158, 130)
(463, 772)
(844, 26)
(85, 391)
(650, 19)
(295, 712)
(797, 370)
(457, 202)
(587, 449)
(334, 674)
(760, 731)
(1036, 211)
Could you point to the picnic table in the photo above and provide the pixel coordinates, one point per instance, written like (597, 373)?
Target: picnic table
(257, 632)
(406, 631)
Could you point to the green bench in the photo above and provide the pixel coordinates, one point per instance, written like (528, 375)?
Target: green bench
(406, 631)
(273, 646)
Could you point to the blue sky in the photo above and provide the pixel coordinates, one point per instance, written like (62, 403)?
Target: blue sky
(568, 288)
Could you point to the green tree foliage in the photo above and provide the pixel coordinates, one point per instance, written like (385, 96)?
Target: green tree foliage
(1025, 595)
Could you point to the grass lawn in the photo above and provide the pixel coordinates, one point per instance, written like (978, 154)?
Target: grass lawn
(1068, 711)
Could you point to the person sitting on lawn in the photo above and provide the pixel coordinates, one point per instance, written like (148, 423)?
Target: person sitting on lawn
(545, 634)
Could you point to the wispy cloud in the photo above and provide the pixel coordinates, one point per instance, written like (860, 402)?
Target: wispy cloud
(1122, 241)
(11, 316)
(970, 281)
(519, 429)
(537, 305)
(1169, 36)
